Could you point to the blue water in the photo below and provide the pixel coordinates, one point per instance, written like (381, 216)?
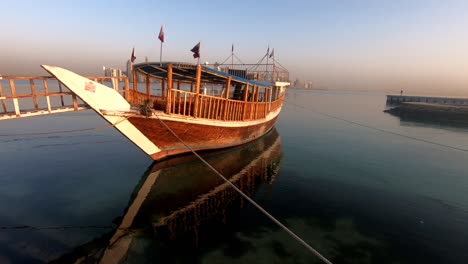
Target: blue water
(356, 194)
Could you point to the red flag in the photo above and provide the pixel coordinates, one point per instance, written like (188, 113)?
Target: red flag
(161, 34)
(196, 51)
(132, 59)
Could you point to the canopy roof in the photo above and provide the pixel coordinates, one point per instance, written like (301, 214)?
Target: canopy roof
(186, 72)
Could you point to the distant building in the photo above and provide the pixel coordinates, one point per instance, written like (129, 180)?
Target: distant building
(129, 71)
(113, 72)
(298, 83)
(308, 85)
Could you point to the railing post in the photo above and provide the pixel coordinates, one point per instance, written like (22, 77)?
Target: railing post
(34, 95)
(226, 102)
(169, 89)
(246, 96)
(61, 91)
(197, 98)
(135, 80)
(15, 98)
(148, 87)
(46, 90)
(252, 101)
(127, 90)
(3, 100)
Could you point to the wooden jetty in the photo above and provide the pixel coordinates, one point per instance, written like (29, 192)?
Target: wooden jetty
(397, 99)
(25, 96)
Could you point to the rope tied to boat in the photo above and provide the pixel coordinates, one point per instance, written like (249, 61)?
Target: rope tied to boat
(271, 217)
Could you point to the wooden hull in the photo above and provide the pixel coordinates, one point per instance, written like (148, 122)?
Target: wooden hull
(200, 121)
(200, 136)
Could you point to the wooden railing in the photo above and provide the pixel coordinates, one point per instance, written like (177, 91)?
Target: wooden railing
(217, 108)
(37, 95)
(22, 96)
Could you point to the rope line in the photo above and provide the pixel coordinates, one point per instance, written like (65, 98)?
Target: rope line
(376, 128)
(272, 218)
(99, 128)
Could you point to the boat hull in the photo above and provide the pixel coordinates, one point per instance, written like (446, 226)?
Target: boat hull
(199, 136)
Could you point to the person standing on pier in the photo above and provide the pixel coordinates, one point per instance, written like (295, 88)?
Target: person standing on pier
(401, 92)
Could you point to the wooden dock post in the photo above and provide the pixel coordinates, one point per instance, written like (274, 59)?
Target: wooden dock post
(15, 98)
(2, 98)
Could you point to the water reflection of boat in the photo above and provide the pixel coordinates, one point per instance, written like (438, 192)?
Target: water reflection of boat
(177, 196)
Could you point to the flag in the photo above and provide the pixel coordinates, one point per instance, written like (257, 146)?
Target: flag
(161, 33)
(196, 51)
(272, 53)
(232, 48)
(268, 51)
(132, 59)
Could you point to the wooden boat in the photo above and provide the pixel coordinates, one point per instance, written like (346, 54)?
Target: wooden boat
(207, 106)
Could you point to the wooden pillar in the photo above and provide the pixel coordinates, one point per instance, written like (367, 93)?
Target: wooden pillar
(246, 96)
(163, 88)
(75, 102)
(127, 90)
(197, 91)
(34, 95)
(148, 86)
(46, 90)
(135, 80)
(226, 101)
(169, 89)
(252, 102)
(2, 98)
(15, 98)
(61, 95)
(191, 87)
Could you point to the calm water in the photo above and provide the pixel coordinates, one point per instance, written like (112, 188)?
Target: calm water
(356, 194)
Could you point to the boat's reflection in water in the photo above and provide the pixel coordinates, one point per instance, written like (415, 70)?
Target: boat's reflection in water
(180, 195)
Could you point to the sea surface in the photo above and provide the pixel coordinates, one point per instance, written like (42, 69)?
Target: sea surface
(359, 185)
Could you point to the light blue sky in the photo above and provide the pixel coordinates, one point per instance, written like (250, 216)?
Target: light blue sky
(419, 46)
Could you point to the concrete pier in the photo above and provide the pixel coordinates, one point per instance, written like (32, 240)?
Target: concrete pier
(397, 99)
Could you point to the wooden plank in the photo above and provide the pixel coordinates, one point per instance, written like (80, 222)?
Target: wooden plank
(197, 87)
(33, 93)
(127, 89)
(60, 89)
(135, 80)
(246, 96)
(169, 90)
(148, 87)
(185, 103)
(46, 90)
(75, 102)
(3, 100)
(228, 88)
(15, 100)
(252, 101)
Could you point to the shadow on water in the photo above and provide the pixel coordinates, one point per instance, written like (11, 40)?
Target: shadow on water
(180, 201)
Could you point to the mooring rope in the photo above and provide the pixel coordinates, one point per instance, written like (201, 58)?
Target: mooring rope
(376, 128)
(272, 218)
(99, 128)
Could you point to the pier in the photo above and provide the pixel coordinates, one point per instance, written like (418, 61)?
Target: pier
(25, 96)
(397, 99)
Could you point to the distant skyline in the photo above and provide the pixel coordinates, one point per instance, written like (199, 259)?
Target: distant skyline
(416, 46)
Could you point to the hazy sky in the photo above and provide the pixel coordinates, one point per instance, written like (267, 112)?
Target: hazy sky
(417, 46)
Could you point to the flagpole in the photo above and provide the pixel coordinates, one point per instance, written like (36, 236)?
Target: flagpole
(268, 55)
(199, 53)
(160, 55)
